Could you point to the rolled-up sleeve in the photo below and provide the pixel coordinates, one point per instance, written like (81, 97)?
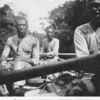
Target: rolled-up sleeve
(81, 46)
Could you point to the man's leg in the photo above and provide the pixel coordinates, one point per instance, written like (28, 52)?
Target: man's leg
(96, 82)
(3, 90)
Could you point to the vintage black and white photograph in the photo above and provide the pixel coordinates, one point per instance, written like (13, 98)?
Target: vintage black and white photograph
(49, 48)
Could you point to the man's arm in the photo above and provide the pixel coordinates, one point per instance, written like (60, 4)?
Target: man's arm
(81, 46)
(35, 52)
(54, 53)
(5, 54)
(56, 48)
(6, 51)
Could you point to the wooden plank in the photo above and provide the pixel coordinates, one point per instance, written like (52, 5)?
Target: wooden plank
(89, 64)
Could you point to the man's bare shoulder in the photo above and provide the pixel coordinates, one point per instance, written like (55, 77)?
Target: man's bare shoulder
(32, 38)
(54, 39)
(11, 38)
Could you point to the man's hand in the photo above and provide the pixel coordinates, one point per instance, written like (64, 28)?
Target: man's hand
(28, 60)
(50, 55)
(35, 61)
(5, 65)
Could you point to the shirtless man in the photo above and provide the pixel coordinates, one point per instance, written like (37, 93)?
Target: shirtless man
(51, 45)
(25, 49)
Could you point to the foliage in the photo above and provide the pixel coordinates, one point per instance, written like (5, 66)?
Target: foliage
(7, 25)
(65, 19)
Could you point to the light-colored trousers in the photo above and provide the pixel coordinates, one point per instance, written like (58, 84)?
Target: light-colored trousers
(18, 66)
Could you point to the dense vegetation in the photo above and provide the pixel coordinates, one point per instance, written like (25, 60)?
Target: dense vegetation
(64, 19)
(7, 25)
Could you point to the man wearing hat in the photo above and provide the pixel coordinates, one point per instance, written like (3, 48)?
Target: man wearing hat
(87, 37)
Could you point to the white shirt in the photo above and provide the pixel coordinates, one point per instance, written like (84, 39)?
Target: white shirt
(86, 40)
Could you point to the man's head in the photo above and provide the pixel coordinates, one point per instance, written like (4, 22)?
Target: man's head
(6, 9)
(49, 33)
(21, 25)
(94, 6)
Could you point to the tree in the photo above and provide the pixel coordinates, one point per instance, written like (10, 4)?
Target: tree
(65, 19)
(7, 25)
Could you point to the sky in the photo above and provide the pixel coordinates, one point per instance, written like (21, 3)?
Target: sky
(34, 9)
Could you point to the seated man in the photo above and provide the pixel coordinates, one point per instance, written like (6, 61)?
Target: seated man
(50, 45)
(25, 48)
(87, 38)
(50, 50)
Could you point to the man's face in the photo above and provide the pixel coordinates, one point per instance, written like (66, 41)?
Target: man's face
(50, 33)
(96, 11)
(95, 8)
(21, 27)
